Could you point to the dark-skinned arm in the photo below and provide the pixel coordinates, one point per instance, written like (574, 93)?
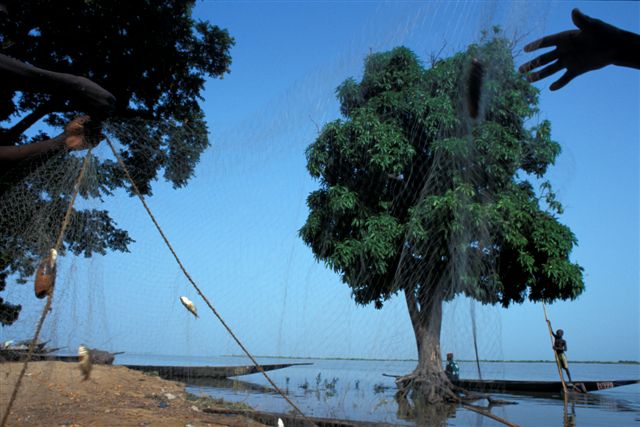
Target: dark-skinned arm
(29, 151)
(85, 94)
(73, 138)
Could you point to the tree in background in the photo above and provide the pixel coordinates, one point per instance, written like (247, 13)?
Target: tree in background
(417, 198)
(154, 57)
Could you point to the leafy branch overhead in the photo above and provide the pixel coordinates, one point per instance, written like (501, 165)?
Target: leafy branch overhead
(155, 58)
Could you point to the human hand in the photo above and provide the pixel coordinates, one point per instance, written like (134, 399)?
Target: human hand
(594, 45)
(74, 134)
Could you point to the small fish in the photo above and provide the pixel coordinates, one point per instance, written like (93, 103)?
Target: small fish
(475, 87)
(84, 356)
(188, 304)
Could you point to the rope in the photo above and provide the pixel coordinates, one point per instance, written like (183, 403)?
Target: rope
(475, 338)
(195, 286)
(47, 307)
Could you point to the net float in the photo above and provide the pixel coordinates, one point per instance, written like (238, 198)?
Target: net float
(84, 359)
(46, 275)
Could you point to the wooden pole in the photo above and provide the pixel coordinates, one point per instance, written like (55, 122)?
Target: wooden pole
(564, 385)
(486, 413)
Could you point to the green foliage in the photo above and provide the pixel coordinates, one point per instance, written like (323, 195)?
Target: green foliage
(410, 185)
(154, 57)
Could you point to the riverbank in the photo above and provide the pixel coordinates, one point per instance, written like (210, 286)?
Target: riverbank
(365, 359)
(53, 394)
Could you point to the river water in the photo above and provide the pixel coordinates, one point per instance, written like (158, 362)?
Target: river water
(357, 390)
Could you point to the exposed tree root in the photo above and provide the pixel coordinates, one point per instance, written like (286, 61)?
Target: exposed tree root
(451, 393)
(434, 396)
(433, 388)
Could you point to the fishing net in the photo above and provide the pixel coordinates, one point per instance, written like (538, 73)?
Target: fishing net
(236, 228)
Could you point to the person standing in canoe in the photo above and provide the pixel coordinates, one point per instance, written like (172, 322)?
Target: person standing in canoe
(560, 346)
(452, 370)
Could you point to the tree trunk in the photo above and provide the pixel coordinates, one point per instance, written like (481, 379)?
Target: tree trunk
(428, 382)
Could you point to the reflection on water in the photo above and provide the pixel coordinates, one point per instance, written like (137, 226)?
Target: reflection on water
(357, 390)
(231, 384)
(421, 414)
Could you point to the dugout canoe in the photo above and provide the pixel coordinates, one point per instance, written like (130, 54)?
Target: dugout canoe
(10, 355)
(540, 386)
(98, 357)
(195, 373)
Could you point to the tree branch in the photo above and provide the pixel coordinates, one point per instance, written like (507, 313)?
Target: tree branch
(9, 136)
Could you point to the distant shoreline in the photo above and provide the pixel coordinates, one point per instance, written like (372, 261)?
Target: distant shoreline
(598, 362)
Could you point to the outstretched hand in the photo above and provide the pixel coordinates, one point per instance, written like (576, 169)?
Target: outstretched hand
(595, 44)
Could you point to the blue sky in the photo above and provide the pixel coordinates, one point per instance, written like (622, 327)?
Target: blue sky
(236, 224)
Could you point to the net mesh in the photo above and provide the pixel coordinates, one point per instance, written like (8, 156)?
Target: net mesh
(236, 227)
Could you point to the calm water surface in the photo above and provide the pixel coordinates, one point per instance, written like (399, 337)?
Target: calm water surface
(357, 390)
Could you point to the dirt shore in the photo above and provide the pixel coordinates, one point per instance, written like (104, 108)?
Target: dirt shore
(53, 394)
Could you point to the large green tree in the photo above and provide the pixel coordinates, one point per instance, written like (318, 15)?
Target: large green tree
(154, 57)
(418, 198)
